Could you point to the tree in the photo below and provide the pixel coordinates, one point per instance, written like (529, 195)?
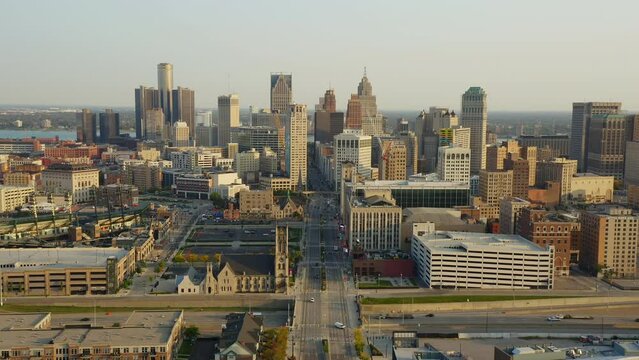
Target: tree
(218, 201)
(190, 257)
(192, 333)
(204, 258)
(179, 258)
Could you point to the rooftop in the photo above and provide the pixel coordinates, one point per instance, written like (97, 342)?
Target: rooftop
(431, 181)
(22, 321)
(150, 318)
(452, 241)
(39, 258)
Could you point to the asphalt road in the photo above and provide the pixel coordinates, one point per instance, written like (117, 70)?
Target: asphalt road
(316, 319)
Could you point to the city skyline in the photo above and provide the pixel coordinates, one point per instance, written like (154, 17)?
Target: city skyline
(547, 68)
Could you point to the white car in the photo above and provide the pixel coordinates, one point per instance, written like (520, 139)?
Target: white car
(553, 318)
(339, 325)
(312, 300)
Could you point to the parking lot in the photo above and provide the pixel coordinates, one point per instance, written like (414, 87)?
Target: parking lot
(233, 235)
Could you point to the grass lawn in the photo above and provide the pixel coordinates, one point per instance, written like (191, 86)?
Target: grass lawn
(54, 309)
(452, 299)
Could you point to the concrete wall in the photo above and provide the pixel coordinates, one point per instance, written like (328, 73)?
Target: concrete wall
(496, 305)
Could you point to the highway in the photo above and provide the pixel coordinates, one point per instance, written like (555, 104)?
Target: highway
(315, 320)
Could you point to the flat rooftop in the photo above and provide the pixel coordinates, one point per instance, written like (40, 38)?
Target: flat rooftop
(12, 260)
(150, 318)
(22, 321)
(452, 241)
(143, 328)
(421, 184)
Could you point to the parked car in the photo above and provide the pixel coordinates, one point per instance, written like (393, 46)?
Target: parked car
(339, 325)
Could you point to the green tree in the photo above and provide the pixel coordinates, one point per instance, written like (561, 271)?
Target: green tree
(179, 258)
(191, 333)
(218, 200)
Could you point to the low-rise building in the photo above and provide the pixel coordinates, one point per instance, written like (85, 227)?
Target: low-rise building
(256, 204)
(78, 180)
(145, 334)
(484, 261)
(240, 337)
(13, 197)
(275, 183)
(535, 352)
(65, 271)
(591, 188)
(193, 186)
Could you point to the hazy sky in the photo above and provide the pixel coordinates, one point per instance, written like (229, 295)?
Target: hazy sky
(528, 55)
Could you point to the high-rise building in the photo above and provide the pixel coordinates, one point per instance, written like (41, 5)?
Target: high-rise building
(441, 118)
(609, 241)
(366, 97)
(165, 86)
(296, 152)
(281, 92)
(560, 170)
(453, 164)
(228, 108)
(392, 161)
(509, 213)
(353, 113)
(495, 185)
(154, 125)
(247, 165)
(352, 147)
(327, 125)
(330, 104)
(184, 107)
(607, 145)
(146, 98)
(559, 145)
(205, 135)
(582, 113)
(109, 125)
(87, 128)
(475, 116)
(530, 153)
(180, 134)
(204, 117)
(631, 172)
(521, 171)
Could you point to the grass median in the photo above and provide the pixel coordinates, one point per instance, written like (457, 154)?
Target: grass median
(453, 299)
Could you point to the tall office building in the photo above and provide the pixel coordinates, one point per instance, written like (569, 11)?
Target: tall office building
(146, 98)
(330, 104)
(560, 170)
(204, 117)
(184, 107)
(366, 97)
(582, 113)
(87, 128)
(228, 109)
(154, 125)
(609, 241)
(352, 147)
(296, 153)
(495, 185)
(453, 164)
(109, 125)
(180, 134)
(165, 86)
(281, 92)
(558, 145)
(205, 135)
(353, 113)
(521, 171)
(475, 116)
(607, 145)
(392, 161)
(327, 125)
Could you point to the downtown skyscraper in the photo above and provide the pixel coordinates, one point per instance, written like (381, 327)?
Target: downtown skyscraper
(165, 87)
(475, 116)
(582, 113)
(109, 125)
(228, 108)
(146, 98)
(184, 107)
(296, 152)
(281, 92)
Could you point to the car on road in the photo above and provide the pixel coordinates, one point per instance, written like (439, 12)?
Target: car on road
(312, 300)
(339, 325)
(429, 315)
(553, 318)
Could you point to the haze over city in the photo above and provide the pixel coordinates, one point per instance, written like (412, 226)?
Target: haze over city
(540, 55)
